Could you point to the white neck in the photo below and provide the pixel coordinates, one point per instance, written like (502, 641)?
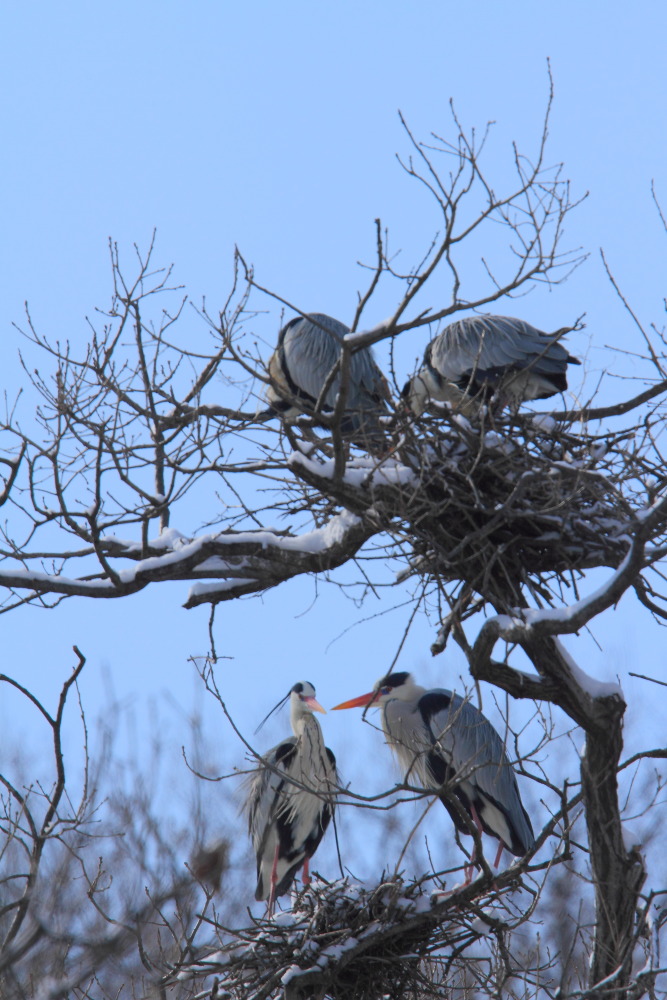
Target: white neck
(299, 715)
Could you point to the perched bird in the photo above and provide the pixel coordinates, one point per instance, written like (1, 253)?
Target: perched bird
(291, 798)
(210, 863)
(308, 350)
(444, 743)
(489, 356)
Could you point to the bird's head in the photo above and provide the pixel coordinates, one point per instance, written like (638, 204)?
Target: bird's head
(302, 700)
(400, 685)
(302, 696)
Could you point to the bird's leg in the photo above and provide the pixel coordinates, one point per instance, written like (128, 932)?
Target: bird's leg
(470, 867)
(274, 879)
(473, 857)
(477, 820)
(305, 876)
(499, 855)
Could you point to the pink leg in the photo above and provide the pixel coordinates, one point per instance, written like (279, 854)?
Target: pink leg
(305, 877)
(478, 822)
(499, 854)
(470, 867)
(274, 879)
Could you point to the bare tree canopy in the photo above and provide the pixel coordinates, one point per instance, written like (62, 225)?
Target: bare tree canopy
(492, 514)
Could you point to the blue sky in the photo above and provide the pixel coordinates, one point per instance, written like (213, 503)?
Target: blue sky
(274, 127)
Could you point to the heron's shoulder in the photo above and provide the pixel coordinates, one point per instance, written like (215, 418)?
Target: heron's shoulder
(437, 700)
(279, 754)
(323, 322)
(282, 753)
(314, 327)
(441, 700)
(286, 330)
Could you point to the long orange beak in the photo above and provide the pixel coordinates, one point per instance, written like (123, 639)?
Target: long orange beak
(315, 705)
(363, 699)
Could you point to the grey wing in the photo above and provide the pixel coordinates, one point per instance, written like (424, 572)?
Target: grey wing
(333, 777)
(486, 344)
(477, 754)
(308, 349)
(264, 793)
(367, 398)
(311, 347)
(368, 380)
(468, 738)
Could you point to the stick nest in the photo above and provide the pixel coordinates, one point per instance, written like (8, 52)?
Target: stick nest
(499, 503)
(341, 940)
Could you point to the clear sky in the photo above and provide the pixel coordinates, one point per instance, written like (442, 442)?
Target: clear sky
(274, 126)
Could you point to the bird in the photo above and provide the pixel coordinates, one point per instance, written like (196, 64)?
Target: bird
(210, 862)
(307, 352)
(489, 356)
(291, 798)
(446, 745)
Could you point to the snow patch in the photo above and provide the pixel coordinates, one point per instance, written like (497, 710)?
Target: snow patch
(544, 422)
(592, 686)
(481, 927)
(361, 472)
(220, 586)
(527, 617)
(632, 839)
(293, 971)
(361, 335)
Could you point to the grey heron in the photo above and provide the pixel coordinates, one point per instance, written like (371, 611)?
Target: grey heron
(483, 356)
(308, 349)
(291, 798)
(442, 740)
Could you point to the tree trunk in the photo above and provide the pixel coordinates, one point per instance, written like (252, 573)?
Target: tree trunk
(617, 869)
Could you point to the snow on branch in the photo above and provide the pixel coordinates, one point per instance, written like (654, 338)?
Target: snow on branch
(561, 679)
(486, 510)
(242, 562)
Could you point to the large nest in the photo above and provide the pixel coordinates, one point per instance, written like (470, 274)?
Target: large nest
(353, 942)
(499, 502)
(510, 504)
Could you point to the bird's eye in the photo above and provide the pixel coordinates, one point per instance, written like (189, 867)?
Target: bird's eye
(385, 690)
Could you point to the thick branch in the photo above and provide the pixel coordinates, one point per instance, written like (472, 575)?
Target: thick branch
(246, 562)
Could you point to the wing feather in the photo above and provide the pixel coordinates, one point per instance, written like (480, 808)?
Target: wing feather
(286, 821)
(443, 738)
(307, 352)
(483, 343)
(482, 352)
(476, 755)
